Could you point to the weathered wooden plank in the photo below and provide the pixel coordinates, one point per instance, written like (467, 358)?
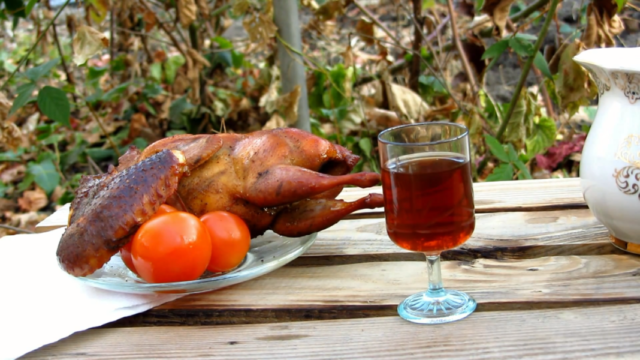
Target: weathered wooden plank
(522, 195)
(497, 235)
(375, 289)
(579, 333)
(533, 283)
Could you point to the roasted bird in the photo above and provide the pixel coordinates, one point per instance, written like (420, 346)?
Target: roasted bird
(285, 180)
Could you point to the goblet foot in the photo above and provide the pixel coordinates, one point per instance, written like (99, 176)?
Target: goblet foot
(446, 306)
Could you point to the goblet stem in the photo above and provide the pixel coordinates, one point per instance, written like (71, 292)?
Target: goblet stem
(435, 276)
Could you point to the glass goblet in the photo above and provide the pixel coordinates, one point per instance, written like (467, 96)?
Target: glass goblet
(428, 193)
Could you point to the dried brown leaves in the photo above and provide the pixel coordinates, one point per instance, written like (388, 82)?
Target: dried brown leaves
(260, 28)
(498, 11)
(187, 11)
(33, 200)
(603, 24)
(88, 42)
(365, 30)
(574, 87)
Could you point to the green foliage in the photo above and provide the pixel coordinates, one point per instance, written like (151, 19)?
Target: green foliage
(508, 160)
(543, 135)
(24, 95)
(44, 174)
(53, 102)
(36, 73)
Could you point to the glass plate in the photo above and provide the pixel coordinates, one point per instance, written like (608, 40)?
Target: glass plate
(267, 253)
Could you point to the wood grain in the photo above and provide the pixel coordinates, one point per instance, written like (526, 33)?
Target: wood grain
(375, 289)
(497, 235)
(596, 332)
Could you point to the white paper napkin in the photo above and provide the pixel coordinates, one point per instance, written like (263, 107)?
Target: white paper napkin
(41, 304)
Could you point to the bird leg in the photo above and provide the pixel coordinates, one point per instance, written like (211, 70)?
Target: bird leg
(286, 184)
(309, 216)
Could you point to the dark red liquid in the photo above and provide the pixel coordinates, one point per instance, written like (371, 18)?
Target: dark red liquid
(429, 203)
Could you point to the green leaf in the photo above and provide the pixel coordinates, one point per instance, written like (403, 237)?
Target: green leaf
(366, 146)
(496, 148)
(176, 109)
(621, 4)
(524, 172)
(24, 95)
(45, 175)
(26, 182)
(36, 73)
(156, 71)
(504, 172)
(496, 49)
(428, 4)
(237, 58)
(53, 102)
(171, 67)
(543, 135)
(521, 47)
(526, 37)
(513, 155)
(114, 93)
(12, 156)
(15, 8)
(540, 62)
(3, 189)
(30, 6)
(99, 155)
(516, 129)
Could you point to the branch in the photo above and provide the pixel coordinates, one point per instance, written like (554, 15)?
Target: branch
(526, 68)
(104, 130)
(24, 58)
(401, 64)
(414, 70)
(375, 20)
(112, 34)
(164, 28)
(64, 63)
(463, 54)
(16, 229)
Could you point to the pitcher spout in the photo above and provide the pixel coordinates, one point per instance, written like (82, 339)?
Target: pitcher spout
(620, 59)
(616, 69)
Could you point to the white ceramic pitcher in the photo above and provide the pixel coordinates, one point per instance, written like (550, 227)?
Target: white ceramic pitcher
(610, 166)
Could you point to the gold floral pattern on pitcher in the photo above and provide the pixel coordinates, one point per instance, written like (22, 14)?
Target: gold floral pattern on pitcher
(628, 83)
(629, 150)
(602, 80)
(627, 179)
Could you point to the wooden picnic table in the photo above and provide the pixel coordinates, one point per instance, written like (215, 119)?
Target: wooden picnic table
(547, 281)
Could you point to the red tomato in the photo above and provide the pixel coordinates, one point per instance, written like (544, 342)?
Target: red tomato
(125, 251)
(125, 254)
(171, 247)
(164, 209)
(230, 240)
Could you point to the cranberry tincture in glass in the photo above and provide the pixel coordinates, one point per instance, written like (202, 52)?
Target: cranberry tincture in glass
(430, 201)
(428, 205)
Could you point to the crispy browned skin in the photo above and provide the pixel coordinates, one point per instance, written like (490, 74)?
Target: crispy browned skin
(109, 207)
(264, 175)
(283, 179)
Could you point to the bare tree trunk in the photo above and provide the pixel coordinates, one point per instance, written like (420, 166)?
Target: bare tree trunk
(291, 64)
(414, 70)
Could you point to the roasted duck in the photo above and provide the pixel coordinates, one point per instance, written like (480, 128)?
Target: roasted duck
(285, 180)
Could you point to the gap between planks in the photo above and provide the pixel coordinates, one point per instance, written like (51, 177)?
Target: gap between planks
(375, 289)
(595, 332)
